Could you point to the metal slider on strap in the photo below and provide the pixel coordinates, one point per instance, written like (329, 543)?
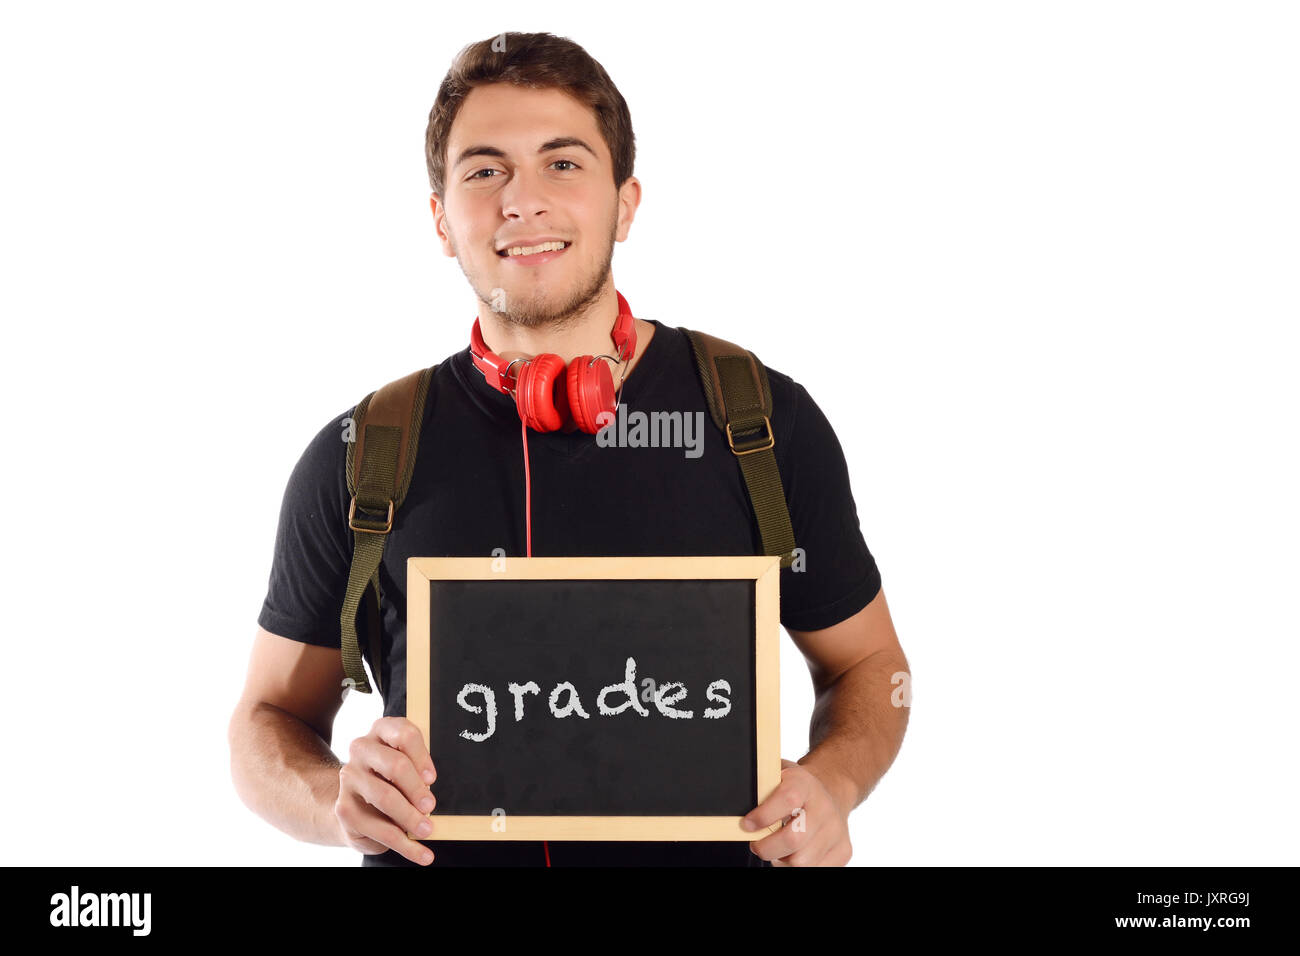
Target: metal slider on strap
(766, 443)
(352, 510)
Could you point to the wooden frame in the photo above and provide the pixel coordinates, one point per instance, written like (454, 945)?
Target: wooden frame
(763, 570)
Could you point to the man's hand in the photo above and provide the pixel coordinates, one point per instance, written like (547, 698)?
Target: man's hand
(816, 831)
(382, 795)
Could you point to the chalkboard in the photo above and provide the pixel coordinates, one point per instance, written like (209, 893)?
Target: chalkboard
(629, 698)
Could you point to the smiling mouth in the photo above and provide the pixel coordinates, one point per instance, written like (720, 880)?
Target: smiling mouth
(523, 252)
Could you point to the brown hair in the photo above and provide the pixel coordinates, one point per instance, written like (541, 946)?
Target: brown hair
(536, 61)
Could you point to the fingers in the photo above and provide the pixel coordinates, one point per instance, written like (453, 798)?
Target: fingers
(788, 796)
(785, 802)
(367, 845)
(377, 754)
(825, 845)
(813, 832)
(780, 844)
(832, 850)
(392, 803)
(370, 831)
(384, 796)
(816, 846)
(402, 735)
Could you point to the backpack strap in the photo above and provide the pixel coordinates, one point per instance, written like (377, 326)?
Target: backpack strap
(381, 457)
(740, 401)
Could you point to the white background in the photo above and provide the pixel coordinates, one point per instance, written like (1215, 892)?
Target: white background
(1037, 262)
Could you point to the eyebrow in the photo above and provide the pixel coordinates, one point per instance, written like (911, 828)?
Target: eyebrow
(560, 142)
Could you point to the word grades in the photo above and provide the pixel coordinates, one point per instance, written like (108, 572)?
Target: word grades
(564, 701)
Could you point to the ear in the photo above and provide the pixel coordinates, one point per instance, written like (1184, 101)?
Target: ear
(629, 198)
(439, 214)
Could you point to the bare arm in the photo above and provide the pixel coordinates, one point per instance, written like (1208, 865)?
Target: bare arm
(280, 757)
(284, 770)
(857, 724)
(854, 735)
(856, 730)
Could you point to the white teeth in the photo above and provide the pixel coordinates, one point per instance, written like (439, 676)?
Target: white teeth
(533, 250)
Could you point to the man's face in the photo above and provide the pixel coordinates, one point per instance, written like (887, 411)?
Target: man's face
(523, 164)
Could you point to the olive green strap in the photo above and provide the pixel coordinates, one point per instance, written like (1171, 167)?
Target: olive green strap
(757, 455)
(380, 462)
(740, 402)
(370, 519)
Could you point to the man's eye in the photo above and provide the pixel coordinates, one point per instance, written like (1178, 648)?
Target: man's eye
(477, 175)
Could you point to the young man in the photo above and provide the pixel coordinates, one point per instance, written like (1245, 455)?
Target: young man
(527, 145)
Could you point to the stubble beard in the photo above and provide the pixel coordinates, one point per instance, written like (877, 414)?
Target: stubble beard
(535, 310)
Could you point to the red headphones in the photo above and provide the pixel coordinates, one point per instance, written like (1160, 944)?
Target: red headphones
(547, 393)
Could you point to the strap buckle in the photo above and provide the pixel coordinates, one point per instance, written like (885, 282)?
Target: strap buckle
(352, 510)
(766, 443)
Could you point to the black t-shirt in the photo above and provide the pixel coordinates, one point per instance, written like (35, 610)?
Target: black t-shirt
(467, 498)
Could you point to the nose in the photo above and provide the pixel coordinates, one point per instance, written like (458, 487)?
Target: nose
(525, 195)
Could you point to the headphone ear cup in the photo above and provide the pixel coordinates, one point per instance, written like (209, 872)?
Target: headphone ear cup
(540, 393)
(591, 391)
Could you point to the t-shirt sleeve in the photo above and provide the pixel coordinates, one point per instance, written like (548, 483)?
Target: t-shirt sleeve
(312, 556)
(839, 575)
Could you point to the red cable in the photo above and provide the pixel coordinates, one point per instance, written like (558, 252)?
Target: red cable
(528, 531)
(528, 492)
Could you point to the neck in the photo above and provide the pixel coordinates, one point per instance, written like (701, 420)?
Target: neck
(585, 331)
